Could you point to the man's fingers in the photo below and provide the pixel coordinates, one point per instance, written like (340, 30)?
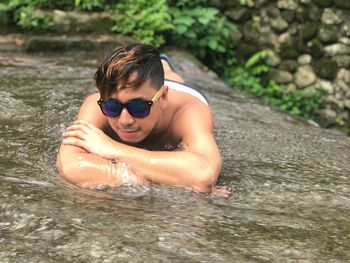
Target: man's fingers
(86, 124)
(73, 141)
(74, 133)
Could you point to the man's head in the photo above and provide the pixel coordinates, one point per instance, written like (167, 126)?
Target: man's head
(130, 82)
(129, 66)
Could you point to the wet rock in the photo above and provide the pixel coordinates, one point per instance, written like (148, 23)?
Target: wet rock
(330, 17)
(304, 77)
(281, 76)
(325, 68)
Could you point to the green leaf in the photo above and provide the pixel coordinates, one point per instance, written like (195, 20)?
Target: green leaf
(181, 29)
(188, 21)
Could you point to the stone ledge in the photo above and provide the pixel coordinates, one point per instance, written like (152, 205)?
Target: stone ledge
(48, 43)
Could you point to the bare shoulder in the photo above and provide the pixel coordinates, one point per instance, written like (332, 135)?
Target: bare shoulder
(90, 112)
(193, 119)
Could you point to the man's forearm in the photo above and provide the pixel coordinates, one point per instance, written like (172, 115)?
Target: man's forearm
(89, 170)
(180, 168)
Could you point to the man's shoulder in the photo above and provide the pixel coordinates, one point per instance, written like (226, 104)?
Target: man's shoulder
(90, 112)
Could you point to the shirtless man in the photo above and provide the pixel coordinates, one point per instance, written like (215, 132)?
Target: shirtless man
(141, 128)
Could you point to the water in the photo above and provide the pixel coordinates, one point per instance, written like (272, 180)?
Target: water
(290, 200)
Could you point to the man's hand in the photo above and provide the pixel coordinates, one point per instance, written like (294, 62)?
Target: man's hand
(90, 138)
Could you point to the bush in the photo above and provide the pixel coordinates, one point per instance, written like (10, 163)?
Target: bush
(251, 78)
(145, 20)
(190, 24)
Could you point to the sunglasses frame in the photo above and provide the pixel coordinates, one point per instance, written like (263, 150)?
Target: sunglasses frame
(125, 105)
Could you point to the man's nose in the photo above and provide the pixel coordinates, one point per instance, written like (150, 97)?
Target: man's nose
(125, 118)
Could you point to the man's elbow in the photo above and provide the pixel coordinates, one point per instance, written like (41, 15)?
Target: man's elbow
(207, 179)
(67, 170)
(206, 182)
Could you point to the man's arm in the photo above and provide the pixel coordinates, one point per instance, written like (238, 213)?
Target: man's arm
(197, 166)
(83, 168)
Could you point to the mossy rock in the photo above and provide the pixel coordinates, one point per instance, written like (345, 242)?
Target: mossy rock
(289, 50)
(342, 3)
(328, 34)
(240, 15)
(309, 31)
(245, 50)
(315, 49)
(324, 3)
(43, 43)
(288, 15)
(80, 22)
(325, 68)
(289, 65)
(250, 32)
(3, 22)
(54, 43)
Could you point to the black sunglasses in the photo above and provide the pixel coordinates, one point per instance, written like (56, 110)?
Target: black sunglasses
(136, 108)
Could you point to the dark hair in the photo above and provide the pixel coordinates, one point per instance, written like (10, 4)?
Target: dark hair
(115, 70)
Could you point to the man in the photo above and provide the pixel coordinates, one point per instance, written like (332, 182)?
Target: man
(141, 128)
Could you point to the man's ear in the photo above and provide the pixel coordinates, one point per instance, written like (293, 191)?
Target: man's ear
(164, 98)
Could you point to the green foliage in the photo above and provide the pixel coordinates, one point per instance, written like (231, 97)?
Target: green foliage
(145, 20)
(250, 78)
(89, 5)
(201, 29)
(29, 18)
(29, 14)
(187, 3)
(190, 24)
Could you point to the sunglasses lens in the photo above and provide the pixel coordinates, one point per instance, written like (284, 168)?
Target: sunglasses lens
(111, 108)
(138, 109)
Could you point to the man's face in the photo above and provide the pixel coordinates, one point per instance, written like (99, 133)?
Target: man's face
(128, 128)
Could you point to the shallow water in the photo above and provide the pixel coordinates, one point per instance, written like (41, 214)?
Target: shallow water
(290, 200)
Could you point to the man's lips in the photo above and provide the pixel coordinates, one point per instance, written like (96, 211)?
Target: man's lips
(128, 133)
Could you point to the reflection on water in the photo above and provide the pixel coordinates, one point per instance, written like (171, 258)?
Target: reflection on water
(290, 180)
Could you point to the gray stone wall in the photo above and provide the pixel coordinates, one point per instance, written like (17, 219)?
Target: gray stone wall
(310, 40)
